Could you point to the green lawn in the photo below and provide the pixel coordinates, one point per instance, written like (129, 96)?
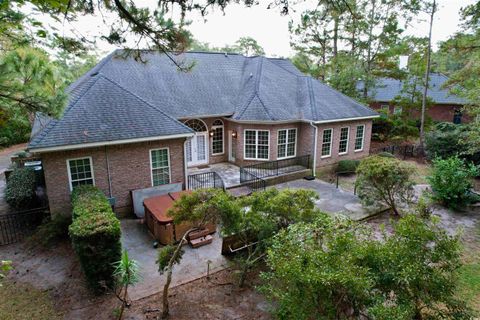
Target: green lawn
(23, 302)
(469, 273)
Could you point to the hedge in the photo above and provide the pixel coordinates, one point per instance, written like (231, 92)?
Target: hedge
(347, 166)
(20, 190)
(95, 234)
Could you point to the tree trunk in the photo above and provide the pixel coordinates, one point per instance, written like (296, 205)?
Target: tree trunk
(124, 303)
(427, 75)
(165, 310)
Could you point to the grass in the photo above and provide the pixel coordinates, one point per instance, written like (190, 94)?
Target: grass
(469, 273)
(23, 302)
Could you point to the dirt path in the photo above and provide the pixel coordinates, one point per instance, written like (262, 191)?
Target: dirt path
(5, 155)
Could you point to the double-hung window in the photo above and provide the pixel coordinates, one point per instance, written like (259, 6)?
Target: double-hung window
(256, 144)
(217, 138)
(359, 137)
(160, 166)
(80, 172)
(287, 140)
(343, 143)
(327, 143)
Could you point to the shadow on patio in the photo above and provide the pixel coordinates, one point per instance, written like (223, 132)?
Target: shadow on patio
(139, 244)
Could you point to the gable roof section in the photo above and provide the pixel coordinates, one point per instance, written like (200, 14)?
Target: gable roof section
(106, 112)
(122, 99)
(387, 89)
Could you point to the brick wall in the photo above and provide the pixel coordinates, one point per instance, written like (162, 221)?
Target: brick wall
(351, 154)
(437, 112)
(305, 137)
(129, 166)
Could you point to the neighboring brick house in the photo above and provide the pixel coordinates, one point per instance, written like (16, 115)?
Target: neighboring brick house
(132, 125)
(446, 107)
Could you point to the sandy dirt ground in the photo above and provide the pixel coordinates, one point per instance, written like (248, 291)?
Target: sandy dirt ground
(56, 272)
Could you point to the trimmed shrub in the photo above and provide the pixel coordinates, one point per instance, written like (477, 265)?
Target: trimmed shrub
(51, 231)
(20, 190)
(452, 181)
(347, 166)
(386, 154)
(95, 234)
(383, 181)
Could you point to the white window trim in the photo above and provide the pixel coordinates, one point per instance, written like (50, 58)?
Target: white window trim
(169, 165)
(256, 144)
(223, 138)
(70, 173)
(286, 143)
(397, 110)
(331, 144)
(340, 139)
(363, 138)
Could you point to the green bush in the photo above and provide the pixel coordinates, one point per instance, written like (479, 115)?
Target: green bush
(386, 154)
(347, 165)
(451, 182)
(95, 234)
(20, 190)
(51, 231)
(449, 140)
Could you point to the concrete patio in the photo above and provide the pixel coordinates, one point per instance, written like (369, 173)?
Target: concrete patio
(332, 200)
(138, 242)
(229, 172)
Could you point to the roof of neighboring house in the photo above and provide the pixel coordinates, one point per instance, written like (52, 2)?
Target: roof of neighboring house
(122, 98)
(386, 89)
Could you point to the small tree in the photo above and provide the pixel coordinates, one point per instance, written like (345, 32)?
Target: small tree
(126, 274)
(198, 208)
(384, 181)
(337, 269)
(20, 190)
(451, 182)
(256, 219)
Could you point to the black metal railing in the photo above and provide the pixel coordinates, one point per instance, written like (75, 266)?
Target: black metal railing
(14, 227)
(205, 180)
(345, 173)
(275, 168)
(404, 151)
(252, 181)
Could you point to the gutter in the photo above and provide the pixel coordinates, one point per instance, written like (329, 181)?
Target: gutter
(108, 143)
(302, 120)
(315, 138)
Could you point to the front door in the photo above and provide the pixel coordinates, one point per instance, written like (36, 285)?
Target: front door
(197, 149)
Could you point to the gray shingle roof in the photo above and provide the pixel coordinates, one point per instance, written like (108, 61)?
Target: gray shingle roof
(386, 89)
(122, 98)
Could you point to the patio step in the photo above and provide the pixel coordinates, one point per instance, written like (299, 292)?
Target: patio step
(195, 243)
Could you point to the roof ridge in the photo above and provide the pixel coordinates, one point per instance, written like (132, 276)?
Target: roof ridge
(312, 98)
(143, 100)
(279, 66)
(255, 91)
(71, 104)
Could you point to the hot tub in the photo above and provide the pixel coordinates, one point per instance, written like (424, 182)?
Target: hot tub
(160, 224)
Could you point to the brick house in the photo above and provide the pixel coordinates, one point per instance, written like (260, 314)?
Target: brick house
(133, 125)
(446, 107)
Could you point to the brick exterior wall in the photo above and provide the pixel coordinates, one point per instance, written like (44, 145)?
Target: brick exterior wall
(437, 112)
(129, 166)
(305, 137)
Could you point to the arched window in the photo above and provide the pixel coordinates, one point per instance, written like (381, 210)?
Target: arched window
(217, 137)
(197, 125)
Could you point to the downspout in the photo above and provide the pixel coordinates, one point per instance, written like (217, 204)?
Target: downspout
(108, 173)
(314, 148)
(185, 167)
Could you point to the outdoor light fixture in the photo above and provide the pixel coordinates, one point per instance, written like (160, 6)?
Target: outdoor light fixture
(212, 131)
(234, 134)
